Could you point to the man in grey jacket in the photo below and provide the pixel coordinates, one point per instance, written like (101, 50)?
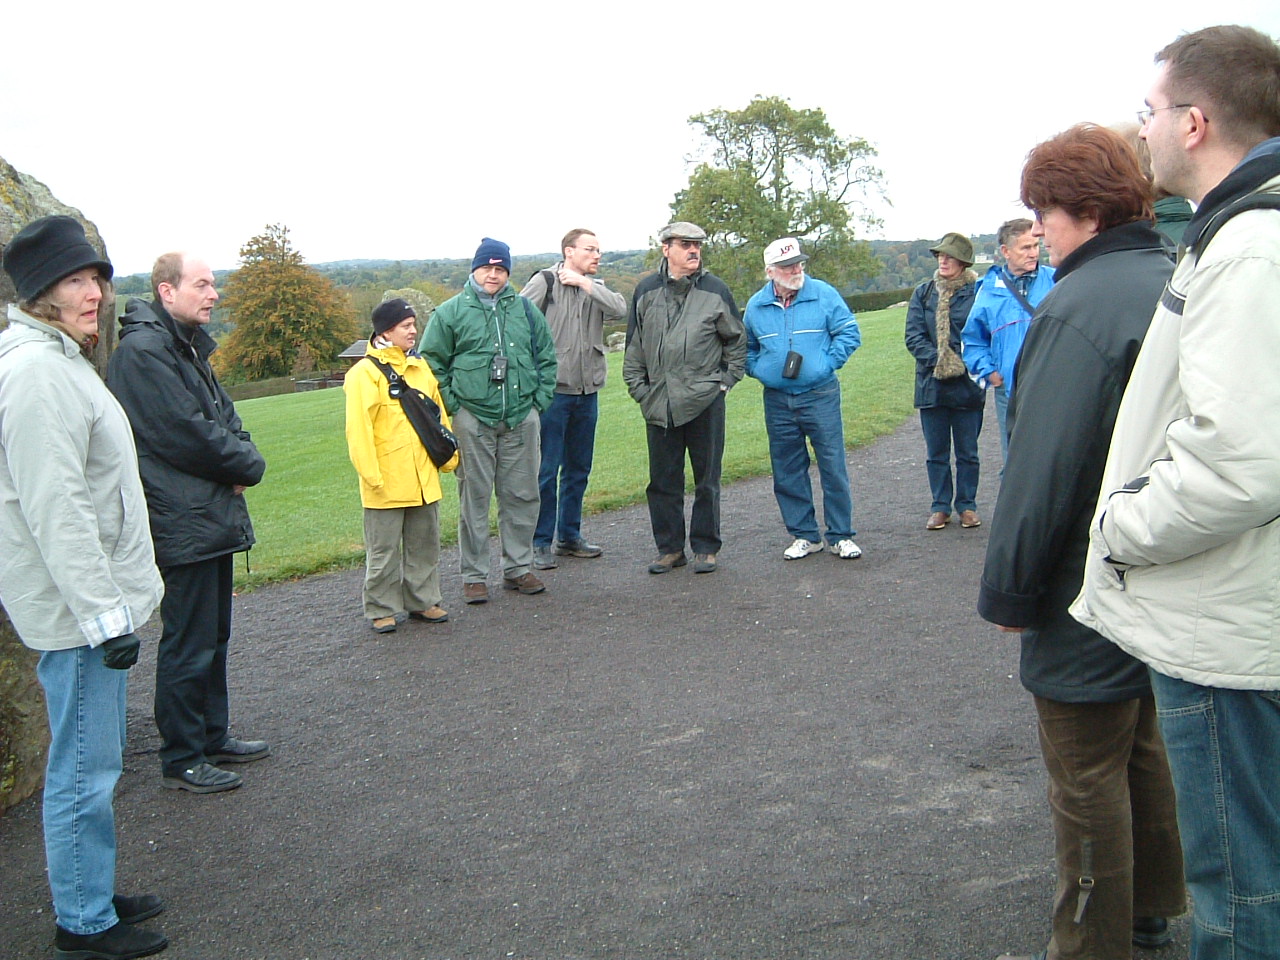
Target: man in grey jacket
(577, 307)
(1183, 570)
(686, 346)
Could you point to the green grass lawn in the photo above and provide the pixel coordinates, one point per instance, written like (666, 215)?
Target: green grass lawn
(307, 515)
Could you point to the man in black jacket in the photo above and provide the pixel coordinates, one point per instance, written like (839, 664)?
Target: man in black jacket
(196, 461)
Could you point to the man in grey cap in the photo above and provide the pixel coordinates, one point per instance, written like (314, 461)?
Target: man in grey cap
(686, 347)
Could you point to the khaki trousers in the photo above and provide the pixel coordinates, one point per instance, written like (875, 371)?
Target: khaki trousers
(504, 461)
(1114, 823)
(402, 560)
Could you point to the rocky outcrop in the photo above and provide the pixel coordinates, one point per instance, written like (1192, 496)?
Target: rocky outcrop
(24, 731)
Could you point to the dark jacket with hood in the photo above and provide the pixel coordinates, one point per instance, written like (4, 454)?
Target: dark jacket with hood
(1071, 374)
(921, 338)
(685, 344)
(192, 448)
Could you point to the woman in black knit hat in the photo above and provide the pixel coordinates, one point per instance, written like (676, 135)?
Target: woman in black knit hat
(77, 570)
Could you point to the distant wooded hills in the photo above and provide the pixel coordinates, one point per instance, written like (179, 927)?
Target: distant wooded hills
(904, 263)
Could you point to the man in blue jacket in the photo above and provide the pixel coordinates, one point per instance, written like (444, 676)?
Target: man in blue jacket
(1000, 318)
(799, 333)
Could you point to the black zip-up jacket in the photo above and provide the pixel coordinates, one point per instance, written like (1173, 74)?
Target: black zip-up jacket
(1069, 380)
(192, 448)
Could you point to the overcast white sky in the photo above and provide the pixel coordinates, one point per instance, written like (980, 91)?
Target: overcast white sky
(410, 131)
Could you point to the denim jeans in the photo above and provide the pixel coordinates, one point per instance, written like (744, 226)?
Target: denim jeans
(568, 442)
(703, 439)
(1224, 751)
(790, 418)
(86, 720)
(942, 426)
(1002, 416)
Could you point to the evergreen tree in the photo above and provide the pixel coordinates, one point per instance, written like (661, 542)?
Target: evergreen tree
(287, 316)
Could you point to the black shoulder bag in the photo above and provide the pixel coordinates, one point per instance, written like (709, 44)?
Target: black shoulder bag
(423, 414)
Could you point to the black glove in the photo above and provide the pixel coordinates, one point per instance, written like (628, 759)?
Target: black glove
(121, 653)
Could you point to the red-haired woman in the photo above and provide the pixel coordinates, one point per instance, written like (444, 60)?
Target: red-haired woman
(1111, 794)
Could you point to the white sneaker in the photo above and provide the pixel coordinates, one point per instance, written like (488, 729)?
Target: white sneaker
(802, 548)
(846, 550)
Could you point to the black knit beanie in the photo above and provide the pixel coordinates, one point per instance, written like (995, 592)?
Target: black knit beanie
(45, 251)
(387, 315)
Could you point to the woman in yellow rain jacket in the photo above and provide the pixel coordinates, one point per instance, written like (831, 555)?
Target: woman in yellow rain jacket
(399, 485)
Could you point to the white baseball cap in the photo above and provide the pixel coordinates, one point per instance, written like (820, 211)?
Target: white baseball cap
(783, 253)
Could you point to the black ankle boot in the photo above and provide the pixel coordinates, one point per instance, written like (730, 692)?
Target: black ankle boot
(121, 942)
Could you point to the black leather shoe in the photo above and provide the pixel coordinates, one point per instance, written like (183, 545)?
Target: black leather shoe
(121, 942)
(239, 751)
(202, 778)
(578, 548)
(1151, 933)
(136, 909)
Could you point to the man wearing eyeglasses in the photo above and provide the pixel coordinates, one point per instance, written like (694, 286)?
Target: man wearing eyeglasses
(799, 333)
(686, 348)
(1183, 570)
(577, 306)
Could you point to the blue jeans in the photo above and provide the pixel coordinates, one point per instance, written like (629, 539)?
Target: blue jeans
(789, 418)
(942, 426)
(1224, 751)
(86, 720)
(568, 442)
(1002, 415)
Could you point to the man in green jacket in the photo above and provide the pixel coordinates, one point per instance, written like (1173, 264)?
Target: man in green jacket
(686, 347)
(493, 355)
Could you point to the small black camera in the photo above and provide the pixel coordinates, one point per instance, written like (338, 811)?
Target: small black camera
(498, 369)
(791, 368)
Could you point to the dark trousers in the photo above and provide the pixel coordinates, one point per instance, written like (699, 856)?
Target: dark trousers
(702, 438)
(1114, 823)
(191, 662)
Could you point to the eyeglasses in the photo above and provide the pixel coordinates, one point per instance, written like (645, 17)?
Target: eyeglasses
(1144, 116)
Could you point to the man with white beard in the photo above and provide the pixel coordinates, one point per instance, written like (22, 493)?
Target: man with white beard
(799, 333)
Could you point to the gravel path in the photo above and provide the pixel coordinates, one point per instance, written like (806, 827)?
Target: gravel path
(809, 759)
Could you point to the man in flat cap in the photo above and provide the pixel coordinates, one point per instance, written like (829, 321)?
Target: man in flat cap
(686, 347)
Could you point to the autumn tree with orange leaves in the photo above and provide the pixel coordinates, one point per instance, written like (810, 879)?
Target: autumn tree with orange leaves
(289, 318)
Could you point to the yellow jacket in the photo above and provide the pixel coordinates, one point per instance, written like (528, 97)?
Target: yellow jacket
(393, 465)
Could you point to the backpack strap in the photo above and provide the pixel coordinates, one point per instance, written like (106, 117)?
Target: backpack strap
(548, 281)
(1255, 201)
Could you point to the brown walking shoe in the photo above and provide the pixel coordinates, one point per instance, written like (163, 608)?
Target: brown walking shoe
(704, 563)
(937, 520)
(969, 519)
(436, 614)
(475, 593)
(527, 584)
(667, 561)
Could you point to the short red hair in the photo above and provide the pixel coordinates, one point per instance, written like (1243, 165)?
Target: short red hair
(1091, 173)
